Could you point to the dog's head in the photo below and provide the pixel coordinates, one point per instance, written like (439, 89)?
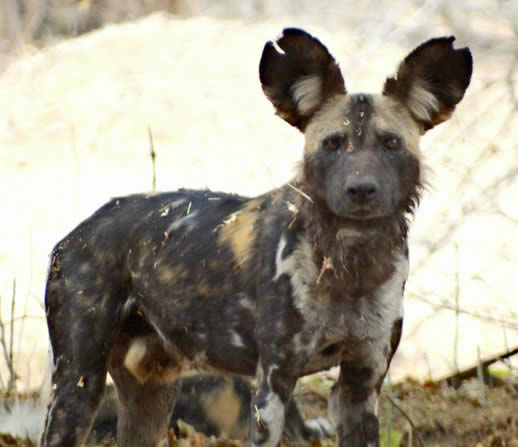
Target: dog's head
(362, 151)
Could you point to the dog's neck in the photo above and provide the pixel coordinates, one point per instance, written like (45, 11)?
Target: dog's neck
(355, 255)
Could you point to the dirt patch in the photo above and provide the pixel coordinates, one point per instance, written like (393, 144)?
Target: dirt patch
(473, 415)
(6, 440)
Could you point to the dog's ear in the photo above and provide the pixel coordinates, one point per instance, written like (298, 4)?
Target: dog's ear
(431, 80)
(298, 75)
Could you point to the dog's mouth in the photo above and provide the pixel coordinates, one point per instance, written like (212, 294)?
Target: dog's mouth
(363, 213)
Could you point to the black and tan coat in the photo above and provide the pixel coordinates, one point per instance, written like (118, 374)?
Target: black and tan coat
(295, 281)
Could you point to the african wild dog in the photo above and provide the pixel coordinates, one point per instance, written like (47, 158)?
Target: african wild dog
(302, 278)
(215, 405)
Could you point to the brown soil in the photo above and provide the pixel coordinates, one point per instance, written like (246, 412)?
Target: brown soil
(470, 416)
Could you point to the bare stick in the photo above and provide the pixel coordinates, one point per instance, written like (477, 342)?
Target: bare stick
(12, 380)
(302, 193)
(480, 376)
(8, 350)
(29, 287)
(457, 308)
(152, 153)
(444, 305)
(389, 413)
(507, 362)
(393, 401)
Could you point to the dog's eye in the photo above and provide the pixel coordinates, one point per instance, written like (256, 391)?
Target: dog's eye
(391, 142)
(334, 142)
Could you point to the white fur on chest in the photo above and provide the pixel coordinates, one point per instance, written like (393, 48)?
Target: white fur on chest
(357, 321)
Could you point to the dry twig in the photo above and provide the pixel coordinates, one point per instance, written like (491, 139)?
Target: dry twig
(302, 193)
(394, 402)
(152, 153)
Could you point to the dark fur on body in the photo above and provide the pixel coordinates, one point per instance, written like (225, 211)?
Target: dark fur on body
(295, 281)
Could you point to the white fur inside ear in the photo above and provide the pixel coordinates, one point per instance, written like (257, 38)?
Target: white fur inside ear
(278, 48)
(422, 103)
(307, 93)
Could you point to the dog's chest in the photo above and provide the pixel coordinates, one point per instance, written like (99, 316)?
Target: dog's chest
(337, 325)
(348, 331)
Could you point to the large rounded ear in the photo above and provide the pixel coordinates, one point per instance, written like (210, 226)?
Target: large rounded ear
(298, 75)
(431, 80)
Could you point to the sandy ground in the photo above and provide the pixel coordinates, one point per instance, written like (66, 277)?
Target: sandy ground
(74, 122)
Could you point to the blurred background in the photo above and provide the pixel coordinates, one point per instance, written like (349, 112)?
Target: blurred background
(84, 83)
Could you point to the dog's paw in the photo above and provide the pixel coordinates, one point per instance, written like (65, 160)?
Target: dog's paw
(320, 428)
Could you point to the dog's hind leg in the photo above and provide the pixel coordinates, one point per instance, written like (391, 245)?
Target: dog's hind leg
(145, 378)
(82, 313)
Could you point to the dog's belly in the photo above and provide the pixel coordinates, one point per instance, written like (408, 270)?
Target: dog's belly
(204, 336)
(222, 342)
(325, 358)
(351, 331)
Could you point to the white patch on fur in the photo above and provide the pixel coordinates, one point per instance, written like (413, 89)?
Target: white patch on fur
(297, 343)
(236, 339)
(272, 415)
(164, 211)
(392, 289)
(307, 93)
(269, 376)
(301, 269)
(127, 307)
(422, 103)
(136, 353)
(259, 373)
(387, 304)
(184, 221)
(247, 303)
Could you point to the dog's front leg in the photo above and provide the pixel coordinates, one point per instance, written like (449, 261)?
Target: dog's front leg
(353, 404)
(269, 405)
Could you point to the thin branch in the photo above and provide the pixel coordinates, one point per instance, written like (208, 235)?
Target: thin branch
(510, 81)
(444, 305)
(3, 342)
(457, 309)
(302, 193)
(22, 318)
(12, 380)
(394, 402)
(8, 350)
(152, 153)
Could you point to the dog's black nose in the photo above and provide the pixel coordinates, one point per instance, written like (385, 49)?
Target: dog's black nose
(362, 190)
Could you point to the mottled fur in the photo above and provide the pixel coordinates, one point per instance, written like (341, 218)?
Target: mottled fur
(214, 405)
(298, 280)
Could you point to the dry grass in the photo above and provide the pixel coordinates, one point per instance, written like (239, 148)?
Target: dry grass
(74, 132)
